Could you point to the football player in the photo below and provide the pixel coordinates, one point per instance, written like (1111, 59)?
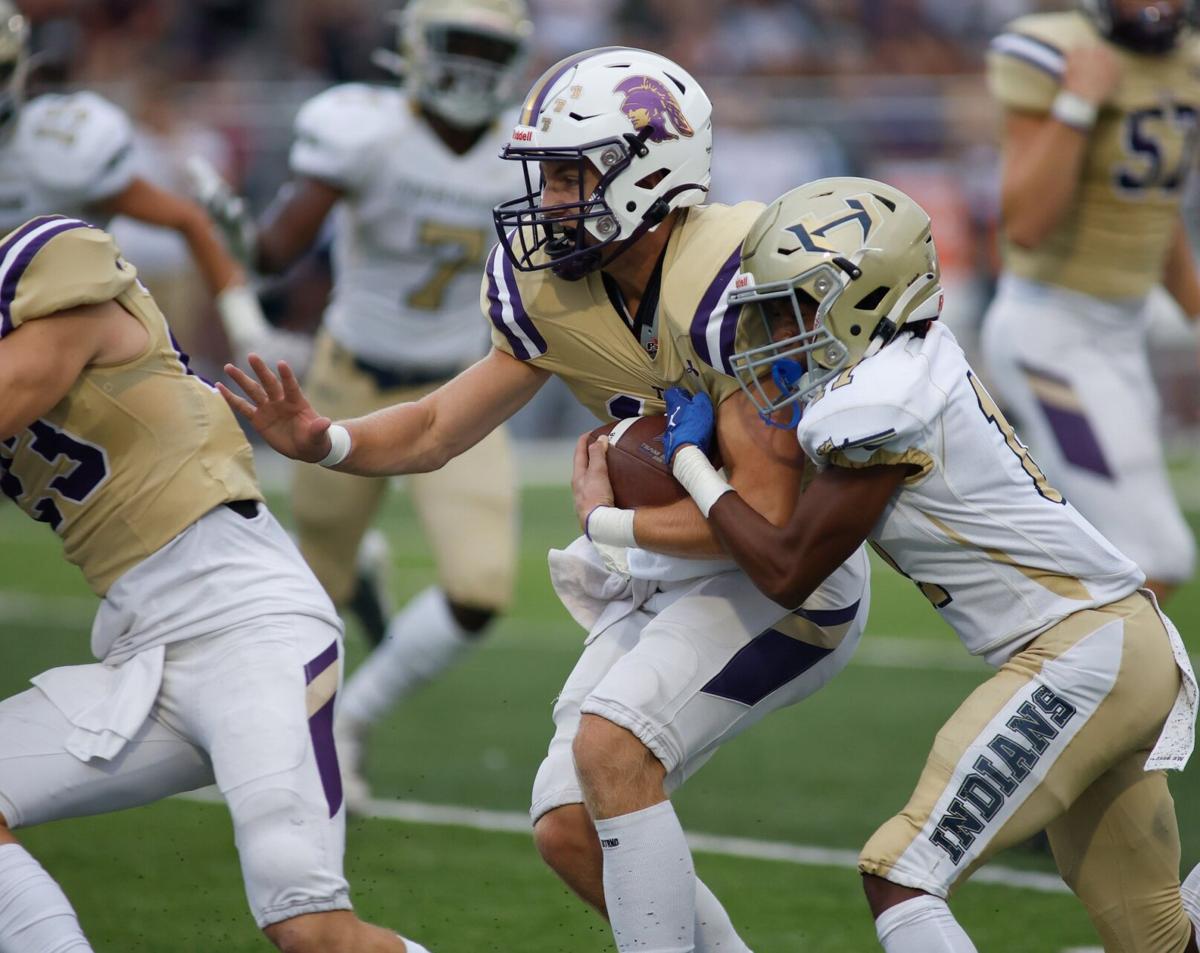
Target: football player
(1093, 696)
(219, 654)
(73, 154)
(1102, 115)
(611, 274)
(413, 176)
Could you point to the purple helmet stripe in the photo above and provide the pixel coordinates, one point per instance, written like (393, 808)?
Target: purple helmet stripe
(537, 100)
(496, 310)
(713, 307)
(34, 241)
(518, 309)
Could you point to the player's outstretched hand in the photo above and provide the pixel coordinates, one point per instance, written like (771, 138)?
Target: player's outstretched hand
(689, 421)
(589, 481)
(278, 410)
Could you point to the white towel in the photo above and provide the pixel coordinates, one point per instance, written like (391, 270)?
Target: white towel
(107, 704)
(592, 588)
(1178, 738)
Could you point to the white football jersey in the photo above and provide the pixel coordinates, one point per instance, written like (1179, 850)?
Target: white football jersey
(997, 550)
(64, 154)
(411, 236)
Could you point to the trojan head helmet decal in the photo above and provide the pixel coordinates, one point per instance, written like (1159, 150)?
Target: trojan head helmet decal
(648, 102)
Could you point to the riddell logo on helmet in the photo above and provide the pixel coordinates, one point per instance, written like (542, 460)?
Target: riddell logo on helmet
(648, 103)
(522, 134)
(743, 281)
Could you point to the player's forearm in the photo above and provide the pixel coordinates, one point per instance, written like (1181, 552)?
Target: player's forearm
(1179, 274)
(1040, 181)
(678, 529)
(390, 442)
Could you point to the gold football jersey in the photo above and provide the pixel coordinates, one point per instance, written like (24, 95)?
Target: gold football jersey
(136, 452)
(573, 330)
(1113, 241)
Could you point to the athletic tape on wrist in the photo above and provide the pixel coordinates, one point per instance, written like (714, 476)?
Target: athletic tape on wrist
(339, 439)
(693, 469)
(1073, 110)
(610, 526)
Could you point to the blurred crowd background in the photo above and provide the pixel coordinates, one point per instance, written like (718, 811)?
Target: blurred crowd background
(892, 89)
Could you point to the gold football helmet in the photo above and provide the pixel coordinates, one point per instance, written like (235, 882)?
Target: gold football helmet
(462, 59)
(831, 271)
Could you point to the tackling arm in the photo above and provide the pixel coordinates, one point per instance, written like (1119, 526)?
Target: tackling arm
(292, 222)
(832, 518)
(41, 360)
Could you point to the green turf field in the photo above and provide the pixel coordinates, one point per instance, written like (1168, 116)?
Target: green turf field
(823, 774)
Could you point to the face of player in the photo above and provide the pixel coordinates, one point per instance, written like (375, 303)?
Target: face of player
(1130, 9)
(781, 316)
(566, 183)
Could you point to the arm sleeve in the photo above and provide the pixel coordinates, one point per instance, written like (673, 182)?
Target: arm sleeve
(53, 263)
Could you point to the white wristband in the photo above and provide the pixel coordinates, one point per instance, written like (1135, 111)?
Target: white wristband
(1073, 110)
(339, 439)
(610, 526)
(693, 469)
(242, 317)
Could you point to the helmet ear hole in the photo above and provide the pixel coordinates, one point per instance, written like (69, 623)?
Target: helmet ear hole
(872, 299)
(652, 179)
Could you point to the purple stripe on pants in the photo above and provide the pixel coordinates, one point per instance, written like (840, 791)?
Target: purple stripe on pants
(1076, 439)
(320, 729)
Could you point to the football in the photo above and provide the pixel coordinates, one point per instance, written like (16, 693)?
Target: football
(637, 466)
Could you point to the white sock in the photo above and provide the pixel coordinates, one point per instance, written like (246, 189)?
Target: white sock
(423, 639)
(649, 881)
(1191, 897)
(35, 915)
(714, 930)
(413, 945)
(921, 925)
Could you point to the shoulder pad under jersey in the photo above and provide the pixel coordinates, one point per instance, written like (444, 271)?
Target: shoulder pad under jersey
(879, 411)
(1026, 62)
(52, 263)
(339, 132)
(79, 145)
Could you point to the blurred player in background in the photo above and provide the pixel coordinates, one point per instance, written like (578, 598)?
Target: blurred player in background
(73, 154)
(612, 275)
(410, 177)
(1093, 694)
(220, 656)
(1102, 115)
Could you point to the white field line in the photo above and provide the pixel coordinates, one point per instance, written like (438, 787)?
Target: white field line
(513, 822)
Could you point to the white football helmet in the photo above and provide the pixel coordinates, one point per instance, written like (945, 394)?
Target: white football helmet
(641, 121)
(14, 60)
(858, 256)
(461, 59)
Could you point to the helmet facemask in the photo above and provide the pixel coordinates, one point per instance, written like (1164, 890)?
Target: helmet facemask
(572, 234)
(801, 354)
(466, 75)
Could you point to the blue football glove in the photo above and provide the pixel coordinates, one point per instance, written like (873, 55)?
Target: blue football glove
(689, 420)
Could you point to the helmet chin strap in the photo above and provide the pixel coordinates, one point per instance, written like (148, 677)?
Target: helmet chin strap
(929, 310)
(652, 217)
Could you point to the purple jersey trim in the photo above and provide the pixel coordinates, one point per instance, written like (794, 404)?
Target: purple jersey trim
(320, 730)
(496, 310)
(827, 618)
(764, 666)
(999, 46)
(520, 323)
(712, 307)
(12, 276)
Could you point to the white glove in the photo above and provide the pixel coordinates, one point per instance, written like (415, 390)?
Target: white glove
(227, 209)
(248, 330)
